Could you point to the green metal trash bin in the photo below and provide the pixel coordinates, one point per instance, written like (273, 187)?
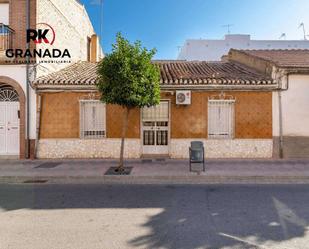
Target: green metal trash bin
(197, 154)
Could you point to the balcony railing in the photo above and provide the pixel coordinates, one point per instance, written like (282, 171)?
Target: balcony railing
(6, 37)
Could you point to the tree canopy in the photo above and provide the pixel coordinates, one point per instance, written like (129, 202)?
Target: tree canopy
(127, 77)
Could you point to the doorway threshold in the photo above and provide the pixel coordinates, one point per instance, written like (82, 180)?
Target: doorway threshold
(148, 158)
(9, 157)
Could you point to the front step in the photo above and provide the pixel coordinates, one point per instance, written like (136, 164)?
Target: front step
(154, 158)
(8, 157)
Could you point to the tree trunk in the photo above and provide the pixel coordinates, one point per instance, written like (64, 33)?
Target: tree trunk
(124, 134)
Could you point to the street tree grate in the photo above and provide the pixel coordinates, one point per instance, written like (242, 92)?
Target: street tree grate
(48, 165)
(112, 171)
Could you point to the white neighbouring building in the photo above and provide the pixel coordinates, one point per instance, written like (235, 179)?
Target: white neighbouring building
(213, 50)
(290, 107)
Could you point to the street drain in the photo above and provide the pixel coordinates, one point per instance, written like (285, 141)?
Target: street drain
(112, 171)
(35, 181)
(48, 165)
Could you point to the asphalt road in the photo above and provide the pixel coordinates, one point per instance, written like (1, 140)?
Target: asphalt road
(145, 216)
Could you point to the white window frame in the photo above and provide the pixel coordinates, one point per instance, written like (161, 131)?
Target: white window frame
(5, 13)
(99, 129)
(225, 130)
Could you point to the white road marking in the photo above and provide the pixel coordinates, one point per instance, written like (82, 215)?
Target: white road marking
(242, 240)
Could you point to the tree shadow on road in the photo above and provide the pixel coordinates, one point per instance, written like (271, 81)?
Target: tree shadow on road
(192, 216)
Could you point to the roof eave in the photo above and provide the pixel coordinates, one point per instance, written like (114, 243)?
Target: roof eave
(295, 70)
(41, 88)
(269, 87)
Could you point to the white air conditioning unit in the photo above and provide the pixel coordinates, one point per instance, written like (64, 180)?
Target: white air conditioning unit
(183, 97)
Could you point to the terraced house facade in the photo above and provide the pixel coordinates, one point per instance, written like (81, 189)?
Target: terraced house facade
(226, 105)
(69, 28)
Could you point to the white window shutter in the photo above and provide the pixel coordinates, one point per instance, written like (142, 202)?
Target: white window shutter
(221, 119)
(92, 119)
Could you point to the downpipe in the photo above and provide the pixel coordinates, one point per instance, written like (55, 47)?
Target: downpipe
(281, 142)
(38, 123)
(27, 84)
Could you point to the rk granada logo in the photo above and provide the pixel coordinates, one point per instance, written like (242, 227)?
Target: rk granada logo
(44, 35)
(47, 35)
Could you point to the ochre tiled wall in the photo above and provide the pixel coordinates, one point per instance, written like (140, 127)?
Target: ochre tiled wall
(189, 121)
(60, 115)
(114, 120)
(253, 114)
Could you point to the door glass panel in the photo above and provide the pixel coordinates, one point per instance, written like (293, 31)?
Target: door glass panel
(148, 124)
(149, 137)
(162, 124)
(162, 137)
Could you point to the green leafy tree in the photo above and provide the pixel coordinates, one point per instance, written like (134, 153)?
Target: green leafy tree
(128, 78)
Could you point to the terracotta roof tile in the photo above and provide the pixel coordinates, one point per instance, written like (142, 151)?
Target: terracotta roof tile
(80, 73)
(298, 58)
(184, 72)
(172, 73)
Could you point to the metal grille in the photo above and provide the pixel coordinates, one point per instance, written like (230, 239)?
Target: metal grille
(155, 126)
(6, 37)
(149, 137)
(162, 137)
(221, 119)
(92, 119)
(8, 94)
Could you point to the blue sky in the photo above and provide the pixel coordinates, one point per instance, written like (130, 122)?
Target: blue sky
(166, 24)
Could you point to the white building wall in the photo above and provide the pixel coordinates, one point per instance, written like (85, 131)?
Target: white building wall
(295, 118)
(213, 50)
(295, 107)
(18, 73)
(72, 26)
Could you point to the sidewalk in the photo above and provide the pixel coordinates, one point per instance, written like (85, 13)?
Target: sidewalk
(157, 172)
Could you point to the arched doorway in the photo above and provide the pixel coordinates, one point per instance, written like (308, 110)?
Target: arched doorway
(9, 121)
(12, 119)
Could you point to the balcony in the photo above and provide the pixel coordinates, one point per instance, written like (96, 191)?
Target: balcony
(6, 40)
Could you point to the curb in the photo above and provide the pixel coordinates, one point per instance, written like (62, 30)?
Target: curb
(160, 180)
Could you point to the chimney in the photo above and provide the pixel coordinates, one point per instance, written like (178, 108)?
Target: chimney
(225, 58)
(94, 48)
